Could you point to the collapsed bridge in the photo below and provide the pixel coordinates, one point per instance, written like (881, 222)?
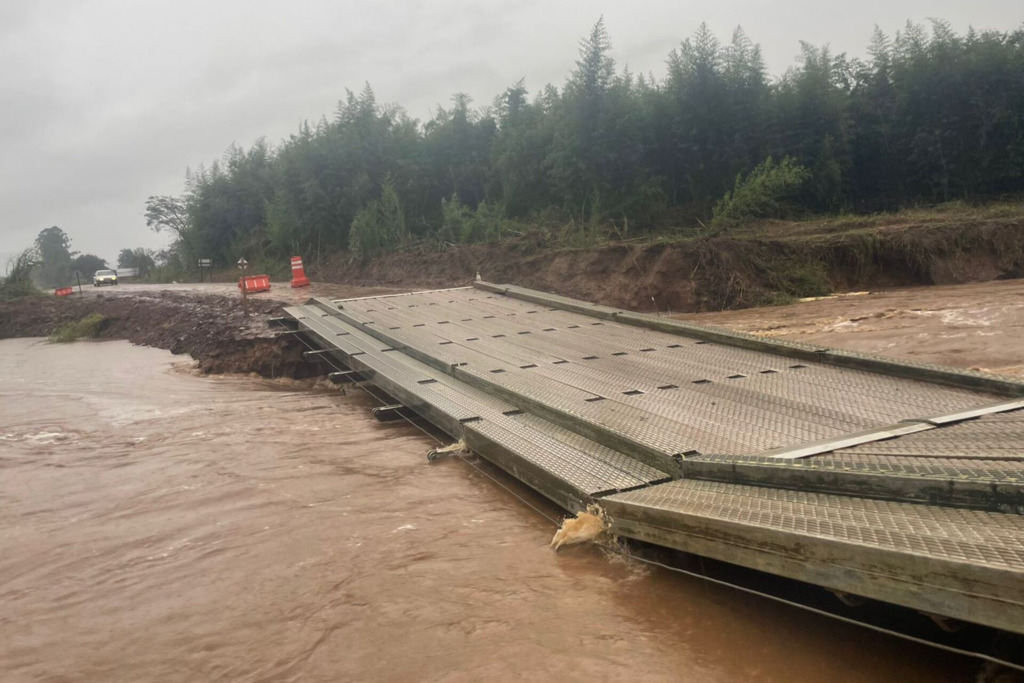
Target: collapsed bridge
(868, 476)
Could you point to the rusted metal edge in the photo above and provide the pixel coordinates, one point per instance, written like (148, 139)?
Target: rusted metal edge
(926, 373)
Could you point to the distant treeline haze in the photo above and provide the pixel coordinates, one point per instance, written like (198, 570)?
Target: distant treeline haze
(929, 116)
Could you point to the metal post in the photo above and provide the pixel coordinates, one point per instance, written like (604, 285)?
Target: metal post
(242, 263)
(78, 276)
(206, 265)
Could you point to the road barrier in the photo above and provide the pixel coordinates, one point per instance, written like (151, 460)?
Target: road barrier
(64, 291)
(250, 284)
(299, 278)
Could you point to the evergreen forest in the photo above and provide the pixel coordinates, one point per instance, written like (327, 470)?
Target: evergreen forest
(928, 116)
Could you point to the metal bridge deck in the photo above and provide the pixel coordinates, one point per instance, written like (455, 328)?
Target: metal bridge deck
(667, 394)
(936, 559)
(856, 473)
(567, 468)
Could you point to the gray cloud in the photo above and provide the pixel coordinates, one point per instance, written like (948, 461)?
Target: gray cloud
(105, 102)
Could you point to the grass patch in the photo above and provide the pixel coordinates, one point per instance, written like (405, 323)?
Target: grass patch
(941, 214)
(10, 291)
(88, 327)
(800, 279)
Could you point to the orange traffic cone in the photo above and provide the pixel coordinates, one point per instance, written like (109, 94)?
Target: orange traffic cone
(299, 278)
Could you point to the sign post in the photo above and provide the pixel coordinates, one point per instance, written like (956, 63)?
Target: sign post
(208, 264)
(242, 263)
(78, 276)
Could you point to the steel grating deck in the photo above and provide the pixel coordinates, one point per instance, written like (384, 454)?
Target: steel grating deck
(890, 480)
(954, 562)
(666, 395)
(567, 468)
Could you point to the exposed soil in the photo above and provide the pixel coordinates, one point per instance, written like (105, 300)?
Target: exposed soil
(212, 329)
(781, 262)
(205, 321)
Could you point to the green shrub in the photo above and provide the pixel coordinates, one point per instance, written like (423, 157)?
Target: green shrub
(378, 227)
(766, 192)
(456, 218)
(802, 279)
(88, 327)
(488, 223)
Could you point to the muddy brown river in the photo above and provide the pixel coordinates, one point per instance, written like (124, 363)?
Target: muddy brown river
(156, 525)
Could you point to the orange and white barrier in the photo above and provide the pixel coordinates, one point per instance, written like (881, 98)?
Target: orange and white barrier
(299, 278)
(250, 284)
(64, 291)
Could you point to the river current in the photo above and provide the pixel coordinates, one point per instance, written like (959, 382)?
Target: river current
(158, 525)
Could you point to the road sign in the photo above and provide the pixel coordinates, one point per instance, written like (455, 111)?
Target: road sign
(242, 263)
(206, 263)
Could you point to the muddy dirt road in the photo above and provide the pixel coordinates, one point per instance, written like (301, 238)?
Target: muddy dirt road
(158, 525)
(278, 291)
(978, 325)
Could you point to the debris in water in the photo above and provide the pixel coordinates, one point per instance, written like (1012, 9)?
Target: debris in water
(457, 447)
(831, 296)
(586, 526)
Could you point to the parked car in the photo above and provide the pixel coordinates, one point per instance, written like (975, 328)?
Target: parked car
(104, 277)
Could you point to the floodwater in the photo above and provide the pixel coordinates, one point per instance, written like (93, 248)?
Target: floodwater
(156, 525)
(978, 325)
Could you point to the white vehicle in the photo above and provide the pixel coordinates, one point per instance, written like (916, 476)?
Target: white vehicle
(104, 277)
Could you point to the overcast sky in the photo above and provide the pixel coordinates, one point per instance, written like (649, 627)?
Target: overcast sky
(105, 102)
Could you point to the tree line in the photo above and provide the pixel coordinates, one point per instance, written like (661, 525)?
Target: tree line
(929, 116)
(50, 262)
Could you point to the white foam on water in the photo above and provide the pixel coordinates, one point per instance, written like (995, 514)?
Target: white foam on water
(41, 438)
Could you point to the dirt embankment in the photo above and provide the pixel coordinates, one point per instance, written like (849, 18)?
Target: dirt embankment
(212, 329)
(780, 262)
